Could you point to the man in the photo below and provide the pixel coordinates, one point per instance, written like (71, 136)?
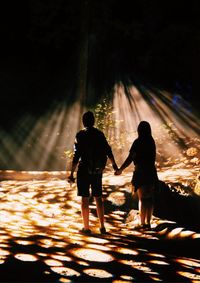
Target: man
(91, 151)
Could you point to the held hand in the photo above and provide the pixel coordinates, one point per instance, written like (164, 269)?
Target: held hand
(115, 167)
(118, 172)
(71, 179)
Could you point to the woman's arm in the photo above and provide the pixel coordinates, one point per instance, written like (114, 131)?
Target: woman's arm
(126, 163)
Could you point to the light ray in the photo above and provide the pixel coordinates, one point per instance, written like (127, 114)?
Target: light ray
(174, 130)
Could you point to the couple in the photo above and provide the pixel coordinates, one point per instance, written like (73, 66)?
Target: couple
(91, 151)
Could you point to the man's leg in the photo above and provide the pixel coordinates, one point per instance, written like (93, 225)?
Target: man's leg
(97, 194)
(85, 212)
(100, 210)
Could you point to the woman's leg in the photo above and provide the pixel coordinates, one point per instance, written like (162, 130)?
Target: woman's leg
(145, 195)
(150, 207)
(141, 205)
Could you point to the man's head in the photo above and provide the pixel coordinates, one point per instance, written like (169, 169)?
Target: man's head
(88, 119)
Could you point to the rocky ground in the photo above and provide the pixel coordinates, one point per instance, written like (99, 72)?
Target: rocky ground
(40, 240)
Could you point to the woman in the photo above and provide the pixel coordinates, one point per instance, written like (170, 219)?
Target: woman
(143, 154)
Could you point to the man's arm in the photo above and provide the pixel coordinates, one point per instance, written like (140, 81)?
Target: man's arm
(114, 164)
(73, 168)
(111, 156)
(74, 161)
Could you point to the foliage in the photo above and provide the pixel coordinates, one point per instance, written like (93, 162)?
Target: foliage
(106, 122)
(104, 116)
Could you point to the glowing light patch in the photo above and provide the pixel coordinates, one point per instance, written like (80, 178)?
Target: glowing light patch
(117, 198)
(126, 277)
(157, 255)
(127, 251)
(184, 234)
(4, 252)
(64, 280)
(2, 261)
(112, 246)
(26, 257)
(42, 254)
(100, 273)
(126, 262)
(196, 236)
(142, 266)
(98, 247)
(116, 216)
(65, 271)
(75, 237)
(92, 255)
(188, 262)
(52, 262)
(46, 243)
(163, 232)
(4, 238)
(61, 257)
(42, 223)
(133, 232)
(97, 240)
(59, 244)
(4, 245)
(158, 262)
(175, 232)
(142, 250)
(189, 275)
(84, 263)
(155, 278)
(119, 212)
(25, 243)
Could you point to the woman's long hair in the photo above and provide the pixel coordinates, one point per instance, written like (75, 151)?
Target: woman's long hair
(144, 129)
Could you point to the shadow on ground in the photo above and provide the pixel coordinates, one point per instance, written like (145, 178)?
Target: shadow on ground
(40, 239)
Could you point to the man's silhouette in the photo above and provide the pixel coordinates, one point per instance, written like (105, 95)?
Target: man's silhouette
(91, 151)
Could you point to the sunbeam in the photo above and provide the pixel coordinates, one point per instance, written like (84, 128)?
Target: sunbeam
(176, 131)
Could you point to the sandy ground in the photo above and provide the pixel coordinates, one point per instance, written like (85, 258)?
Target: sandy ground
(40, 240)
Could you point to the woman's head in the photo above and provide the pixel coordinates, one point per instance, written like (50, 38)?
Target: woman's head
(144, 129)
(88, 119)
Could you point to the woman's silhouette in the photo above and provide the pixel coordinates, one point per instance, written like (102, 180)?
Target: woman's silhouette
(143, 154)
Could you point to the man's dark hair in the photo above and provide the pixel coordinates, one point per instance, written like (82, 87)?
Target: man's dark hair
(88, 119)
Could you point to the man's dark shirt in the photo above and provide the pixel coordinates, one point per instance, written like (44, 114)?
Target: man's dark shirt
(91, 149)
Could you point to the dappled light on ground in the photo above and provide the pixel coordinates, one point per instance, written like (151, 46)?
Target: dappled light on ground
(26, 257)
(39, 230)
(99, 273)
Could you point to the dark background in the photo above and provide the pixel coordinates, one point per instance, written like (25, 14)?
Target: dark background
(147, 41)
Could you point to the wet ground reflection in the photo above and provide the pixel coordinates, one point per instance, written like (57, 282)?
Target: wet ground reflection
(39, 238)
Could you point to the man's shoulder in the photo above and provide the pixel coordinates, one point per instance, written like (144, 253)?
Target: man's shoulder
(81, 132)
(98, 131)
(92, 132)
(80, 135)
